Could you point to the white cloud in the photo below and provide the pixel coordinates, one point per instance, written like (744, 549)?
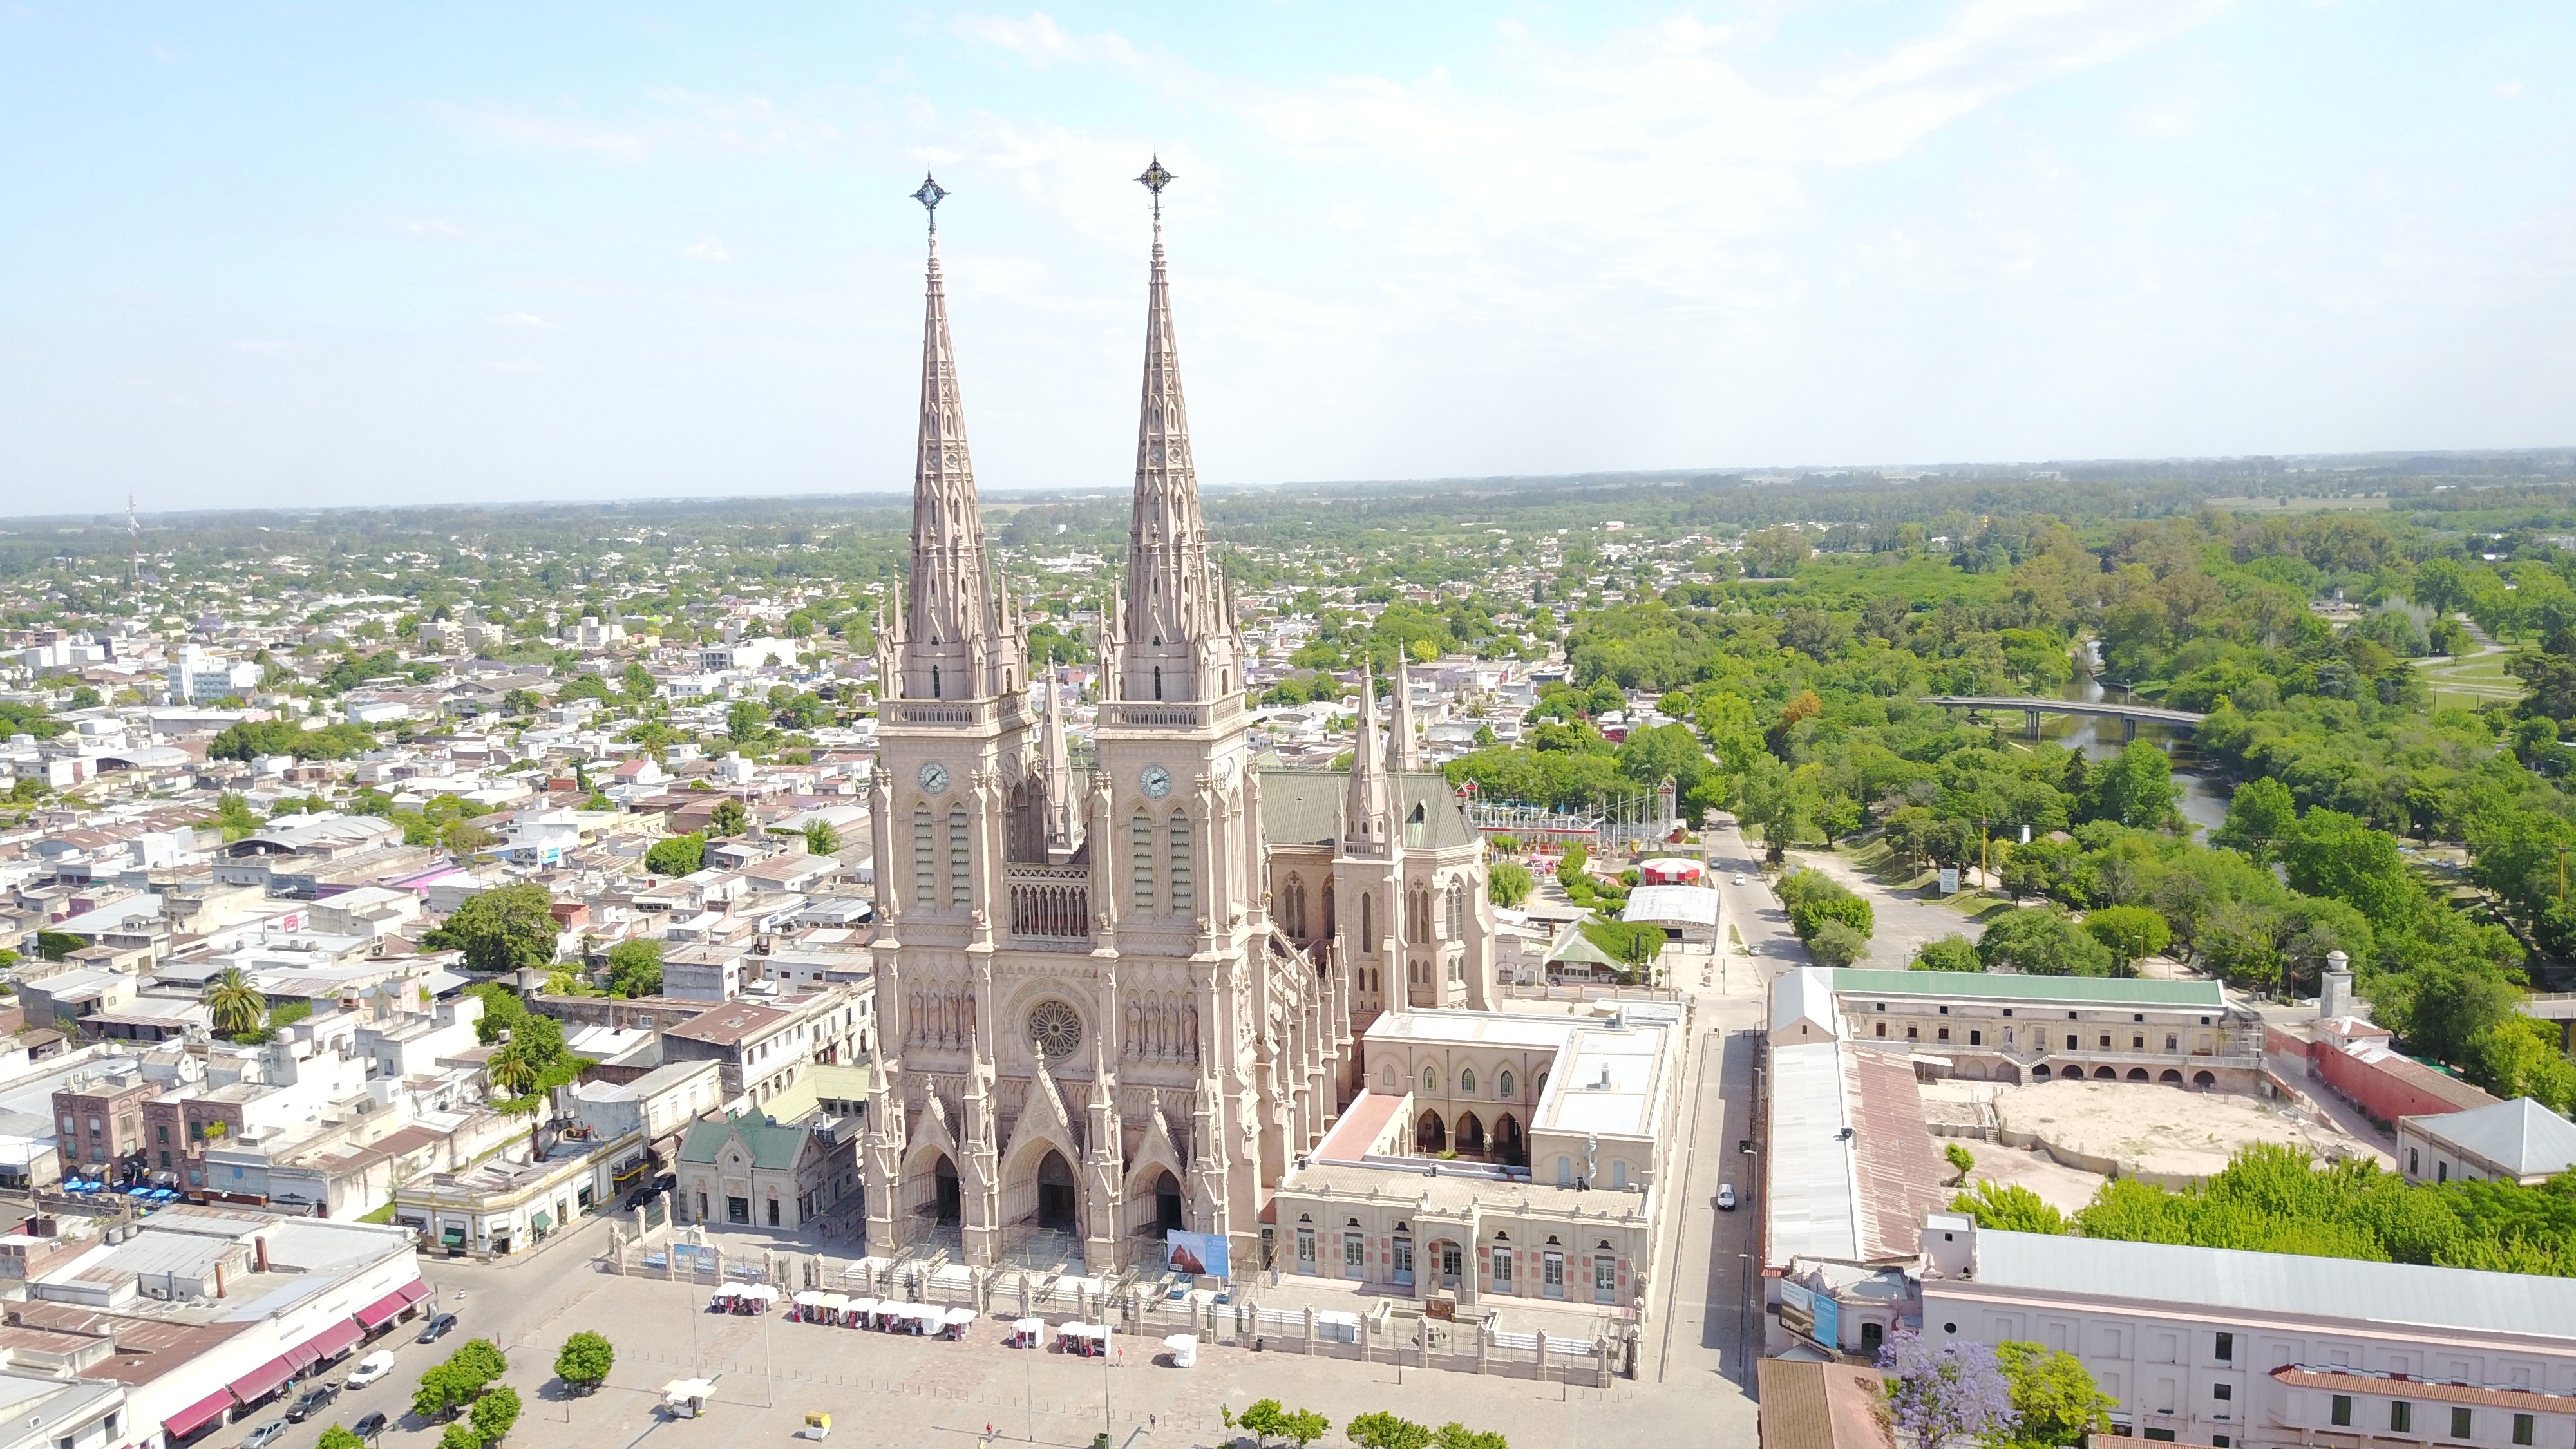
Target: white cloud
(707, 249)
(1041, 42)
(2510, 90)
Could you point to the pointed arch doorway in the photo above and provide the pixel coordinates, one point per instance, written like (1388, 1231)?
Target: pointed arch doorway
(1057, 1201)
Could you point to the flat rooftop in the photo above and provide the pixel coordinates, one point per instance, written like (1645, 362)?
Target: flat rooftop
(2054, 990)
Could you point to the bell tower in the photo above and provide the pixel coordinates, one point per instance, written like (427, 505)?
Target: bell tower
(953, 761)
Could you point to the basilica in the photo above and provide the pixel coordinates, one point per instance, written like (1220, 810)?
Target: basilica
(1127, 1001)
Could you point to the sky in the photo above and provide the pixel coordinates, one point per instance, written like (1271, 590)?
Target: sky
(297, 254)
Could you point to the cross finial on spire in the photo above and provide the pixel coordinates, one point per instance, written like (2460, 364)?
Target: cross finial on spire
(1154, 180)
(930, 195)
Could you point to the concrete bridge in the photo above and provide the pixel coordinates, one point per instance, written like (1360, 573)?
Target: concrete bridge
(2130, 716)
(2558, 1008)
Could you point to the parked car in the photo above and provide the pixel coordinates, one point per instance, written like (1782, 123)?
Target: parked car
(371, 1368)
(1739, 880)
(368, 1427)
(437, 1328)
(266, 1434)
(314, 1401)
(1726, 1197)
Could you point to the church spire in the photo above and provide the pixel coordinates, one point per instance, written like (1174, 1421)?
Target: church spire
(949, 648)
(1179, 635)
(1368, 805)
(1062, 809)
(1403, 755)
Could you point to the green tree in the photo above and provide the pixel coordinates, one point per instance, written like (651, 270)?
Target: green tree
(1454, 1435)
(495, 1412)
(2054, 1399)
(2336, 855)
(1961, 1161)
(1953, 952)
(461, 1435)
(746, 723)
(1383, 1430)
(1508, 883)
(234, 1006)
(2261, 816)
(481, 1357)
(2009, 1209)
(1836, 945)
(235, 816)
(676, 855)
(58, 945)
(729, 819)
(821, 838)
(635, 967)
(2131, 933)
(1813, 898)
(444, 1388)
(501, 929)
(2135, 788)
(585, 1361)
(2041, 942)
(337, 1437)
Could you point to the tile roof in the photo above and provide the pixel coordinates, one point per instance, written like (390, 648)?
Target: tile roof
(2395, 1386)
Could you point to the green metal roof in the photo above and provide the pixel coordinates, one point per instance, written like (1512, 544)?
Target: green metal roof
(772, 1147)
(2091, 990)
(1303, 807)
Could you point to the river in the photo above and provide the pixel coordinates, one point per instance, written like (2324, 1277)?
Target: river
(2204, 794)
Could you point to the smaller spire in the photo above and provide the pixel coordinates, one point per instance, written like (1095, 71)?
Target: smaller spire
(1369, 801)
(1060, 806)
(1403, 755)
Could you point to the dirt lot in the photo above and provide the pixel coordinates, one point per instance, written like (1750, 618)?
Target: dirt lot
(2150, 1129)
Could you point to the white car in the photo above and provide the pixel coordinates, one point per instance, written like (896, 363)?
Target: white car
(1726, 1197)
(1739, 880)
(371, 1368)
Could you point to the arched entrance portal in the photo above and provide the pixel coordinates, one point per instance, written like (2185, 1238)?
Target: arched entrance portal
(1055, 1193)
(1471, 1134)
(945, 1199)
(1167, 1203)
(1430, 1134)
(1508, 1142)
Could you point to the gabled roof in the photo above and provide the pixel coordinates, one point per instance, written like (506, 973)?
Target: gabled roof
(2520, 1136)
(776, 1148)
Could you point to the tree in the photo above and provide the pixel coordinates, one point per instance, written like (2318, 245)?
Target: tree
(746, 723)
(2009, 1209)
(676, 855)
(235, 816)
(233, 1005)
(480, 1357)
(585, 1361)
(1836, 945)
(2339, 856)
(1508, 883)
(58, 945)
(500, 930)
(1454, 1435)
(2041, 941)
(2261, 816)
(729, 818)
(495, 1412)
(1383, 1430)
(1569, 866)
(2131, 933)
(821, 838)
(1941, 1395)
(635, 967)
(1814, 898)
(2054, 1400)
(461, 1435)
(337, 1437)
(443, 1388)
(1960, 1159)
(502, 1010)
(2135, 788)
(1952, 952)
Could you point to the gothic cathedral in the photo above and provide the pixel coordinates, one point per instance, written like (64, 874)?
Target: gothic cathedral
(1125, 1003)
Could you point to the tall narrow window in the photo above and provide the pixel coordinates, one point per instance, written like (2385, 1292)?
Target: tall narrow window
(959, 894)
(934, 681)
(1368, 923)
(1140, 856)
(925, 894)
(1181, 903)
(1292, 907)
(1158, 681)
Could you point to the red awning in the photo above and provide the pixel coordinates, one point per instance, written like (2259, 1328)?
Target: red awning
(413, 1291)
(332, 1342)
(261, 1381)
(199, 1414)
(383, 1311)
(303, 1357)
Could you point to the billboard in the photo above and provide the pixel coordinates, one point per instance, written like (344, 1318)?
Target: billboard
(1949, 880)
(1205, 1255)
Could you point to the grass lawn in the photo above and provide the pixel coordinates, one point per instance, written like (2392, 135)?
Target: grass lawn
(2472, 681)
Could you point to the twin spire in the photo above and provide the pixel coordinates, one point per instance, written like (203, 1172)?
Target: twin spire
(1171, 633)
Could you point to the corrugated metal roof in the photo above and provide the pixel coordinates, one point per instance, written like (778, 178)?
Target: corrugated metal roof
(2076, 990)
(1813, 1210)
(2400, 1294)
(2520, 1136)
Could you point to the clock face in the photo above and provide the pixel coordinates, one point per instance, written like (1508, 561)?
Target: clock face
(934, 777)
(1157, 782)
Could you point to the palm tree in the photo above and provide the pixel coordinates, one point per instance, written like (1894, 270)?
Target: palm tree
(512, 1072)
(233, 1003)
